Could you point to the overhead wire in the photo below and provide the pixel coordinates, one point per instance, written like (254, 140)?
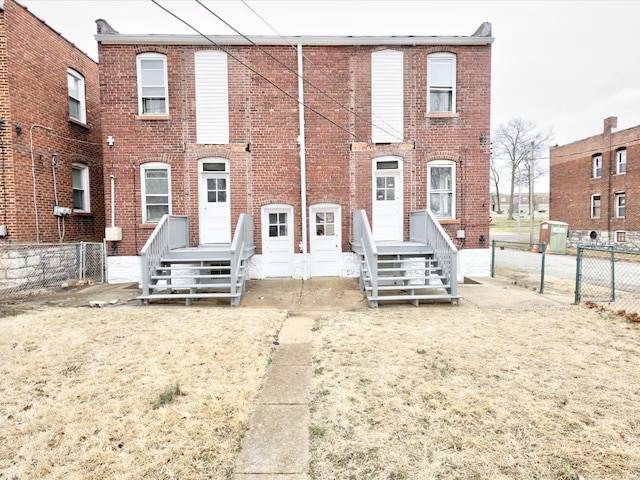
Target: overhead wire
(394, 134)
(235, 57)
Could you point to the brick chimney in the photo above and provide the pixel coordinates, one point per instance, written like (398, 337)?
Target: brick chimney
(609, 123)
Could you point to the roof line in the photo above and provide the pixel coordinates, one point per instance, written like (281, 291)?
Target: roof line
(176, 39)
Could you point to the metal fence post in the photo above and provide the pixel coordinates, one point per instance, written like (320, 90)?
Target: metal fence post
(544, 247)
(613, 274)
(493, 257)
(578, 274)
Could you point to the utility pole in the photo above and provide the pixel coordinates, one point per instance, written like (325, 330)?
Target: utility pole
(531, 196)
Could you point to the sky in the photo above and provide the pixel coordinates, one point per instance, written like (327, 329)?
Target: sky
(563, 65)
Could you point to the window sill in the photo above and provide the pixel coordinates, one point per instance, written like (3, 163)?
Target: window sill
(148, 226)
(448, 221)
(80, 213)
(80, 124)
(442, 115)
(153, 117)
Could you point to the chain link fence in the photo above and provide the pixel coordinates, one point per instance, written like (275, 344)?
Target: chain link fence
(607, 275)
(28, 267)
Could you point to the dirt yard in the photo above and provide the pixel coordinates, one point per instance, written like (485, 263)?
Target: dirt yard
(486, 390)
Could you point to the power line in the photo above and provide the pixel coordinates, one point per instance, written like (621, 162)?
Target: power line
(177, 17)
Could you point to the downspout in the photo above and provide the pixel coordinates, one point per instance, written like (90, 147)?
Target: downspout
(303, 166)
(112, 178)
(33, 177)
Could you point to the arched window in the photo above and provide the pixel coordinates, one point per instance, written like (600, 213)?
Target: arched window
(441, 83)
(152, 84)
(156, 191)
(441, 191)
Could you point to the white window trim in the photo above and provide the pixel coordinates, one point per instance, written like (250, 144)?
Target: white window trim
(151, 166)
(442, 55)
(84, 169)
(452, 165)
(592, 205)
(156, 56)
(596, 159)
(387, 96)
(616, 199)
(81, 95)
(621, 155)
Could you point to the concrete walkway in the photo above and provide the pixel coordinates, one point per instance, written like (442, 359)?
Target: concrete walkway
(276, 446)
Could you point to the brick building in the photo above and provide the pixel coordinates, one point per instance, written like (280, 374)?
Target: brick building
(594, 187)
(51, 185)
(211, 128)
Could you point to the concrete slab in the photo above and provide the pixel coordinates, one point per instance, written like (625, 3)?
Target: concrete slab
(285, 385)
(300, 354)
(496, 294)
(295, 334)
(277, 441)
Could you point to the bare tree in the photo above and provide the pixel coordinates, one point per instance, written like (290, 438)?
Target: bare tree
(495, 174)
(512, 142)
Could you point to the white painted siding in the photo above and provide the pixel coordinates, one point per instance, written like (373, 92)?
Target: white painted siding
(387, 112)
(212, 97)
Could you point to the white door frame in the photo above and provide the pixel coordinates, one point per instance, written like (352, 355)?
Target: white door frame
(221, 232)
(387, 214)
(325, 246)
(277, 249)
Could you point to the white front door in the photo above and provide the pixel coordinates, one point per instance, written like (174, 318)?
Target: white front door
(325, 240)
(215, 205)
(277, 240)
(388, 211)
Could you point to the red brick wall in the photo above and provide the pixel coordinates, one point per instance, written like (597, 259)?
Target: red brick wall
(35, 93)
(571, 182)
(267, 119)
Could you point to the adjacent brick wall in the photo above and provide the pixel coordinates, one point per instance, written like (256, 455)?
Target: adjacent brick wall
(572, 185)
(265, 121)
(33, 91)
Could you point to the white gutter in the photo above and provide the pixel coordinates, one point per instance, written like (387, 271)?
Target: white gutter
(303, 166)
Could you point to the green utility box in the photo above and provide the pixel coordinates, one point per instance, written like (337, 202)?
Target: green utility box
(554, 234)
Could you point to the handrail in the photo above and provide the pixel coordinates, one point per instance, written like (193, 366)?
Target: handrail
(171, 232)
(425, 228)
(363, 234)
(242, 239)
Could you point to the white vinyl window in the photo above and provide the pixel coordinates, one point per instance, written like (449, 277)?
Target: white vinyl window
(597, 166)
(595, 206)
(620, 204)
(156, 191)
(387, 96)
(621, 161)
(152, 84)
(441, 191)
(212, 97)
(80, 185)
(441, 83)
(77, 105)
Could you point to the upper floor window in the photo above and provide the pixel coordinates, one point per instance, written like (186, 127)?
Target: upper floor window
(387, 96)
(156, 191)
(442, 198)
(620, 204)
(595, 206)
(621, 160)
(152, 84)
(77, 107)
(80, 185)
(597, 166)
(441, 83)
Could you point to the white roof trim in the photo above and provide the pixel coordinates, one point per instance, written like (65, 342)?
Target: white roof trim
(156, 39)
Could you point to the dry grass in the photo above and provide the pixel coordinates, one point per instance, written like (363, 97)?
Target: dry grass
(78, 389)
(464, 393)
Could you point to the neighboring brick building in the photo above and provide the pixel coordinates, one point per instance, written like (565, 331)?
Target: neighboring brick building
(49, 135)
(595, 187)
(211, 129)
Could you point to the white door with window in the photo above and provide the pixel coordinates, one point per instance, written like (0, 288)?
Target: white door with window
(325, 240)
(277, 240)
(215, 206)
(388, 210)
